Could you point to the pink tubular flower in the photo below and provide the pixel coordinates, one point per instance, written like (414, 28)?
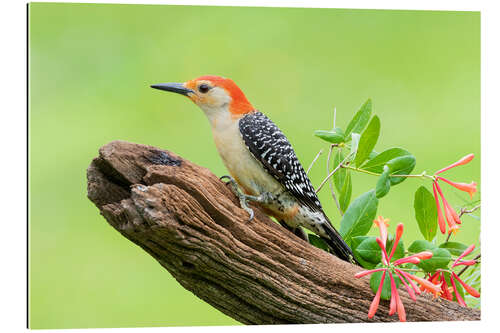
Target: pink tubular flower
(407, 277)
(414, 258)
(473, 292)
(376, 299)
(400, 308)
(466, 252)
(410, 290)
(382, 225)
(436, 278)
(396, 305)
(399, 233)
(451, 216)
(385, 257)
(363, 273)
(469, 188)
(466, 263)
(442, 225)
(460, 300)
(447, 291)
(464, 160)
(427, 285)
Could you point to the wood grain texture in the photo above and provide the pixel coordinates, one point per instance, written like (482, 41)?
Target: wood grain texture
(255, 272)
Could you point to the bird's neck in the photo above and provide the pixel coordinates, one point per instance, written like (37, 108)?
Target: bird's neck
(221, 118)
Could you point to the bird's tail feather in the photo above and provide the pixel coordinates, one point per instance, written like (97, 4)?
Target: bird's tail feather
(337, 244)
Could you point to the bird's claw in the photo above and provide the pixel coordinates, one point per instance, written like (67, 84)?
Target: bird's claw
(227, 177)
(243, 204)
(242, 197)
(234, 185)
(250, 212)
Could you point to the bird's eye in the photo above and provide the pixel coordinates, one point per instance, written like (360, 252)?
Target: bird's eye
(203, 88)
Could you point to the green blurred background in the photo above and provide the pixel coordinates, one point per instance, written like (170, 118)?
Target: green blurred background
(90, 70)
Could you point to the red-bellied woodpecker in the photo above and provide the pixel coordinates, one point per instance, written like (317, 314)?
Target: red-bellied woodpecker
(260, 158)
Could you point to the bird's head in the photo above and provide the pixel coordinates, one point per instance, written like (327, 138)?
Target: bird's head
(213, 94)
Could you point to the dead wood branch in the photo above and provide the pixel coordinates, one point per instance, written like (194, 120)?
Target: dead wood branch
(256, 272)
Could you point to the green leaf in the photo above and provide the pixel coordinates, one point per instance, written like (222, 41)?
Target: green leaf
(360, 119)
(373, 154)
(368, 140)
(345, 193)
(362, 262)
(339, 131)
(421, 245)
(383, 184)
(342, 181)
(455, 248)
(318, 242)
(332, 136)
(358, 218)
(425, 212)
(369, 250)
(402, 165)
(356, 241)
(376, 163)
(339, 176)
(440, 257)
(386, 288)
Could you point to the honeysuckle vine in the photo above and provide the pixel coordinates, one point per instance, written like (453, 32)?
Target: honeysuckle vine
(391, 269)
(427, 265)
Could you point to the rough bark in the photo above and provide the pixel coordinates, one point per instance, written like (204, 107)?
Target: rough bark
(256, 272)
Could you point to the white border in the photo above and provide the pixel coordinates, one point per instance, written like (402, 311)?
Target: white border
(13, 135)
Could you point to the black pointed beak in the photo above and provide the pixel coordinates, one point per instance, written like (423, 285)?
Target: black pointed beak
(173, 87)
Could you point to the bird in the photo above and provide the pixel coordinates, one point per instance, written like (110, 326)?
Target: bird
(262, 163)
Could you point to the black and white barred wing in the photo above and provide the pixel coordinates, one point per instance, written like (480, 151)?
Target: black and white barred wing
(270, 146)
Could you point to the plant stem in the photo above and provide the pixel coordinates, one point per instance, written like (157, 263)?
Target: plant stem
(468, 211)
(422, 175)
(314, 161)
(330, 182)
(466, 267)
(359, 170)
(462, 212)
(332, 173)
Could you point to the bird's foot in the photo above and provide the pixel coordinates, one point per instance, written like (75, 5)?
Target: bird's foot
(265, 197)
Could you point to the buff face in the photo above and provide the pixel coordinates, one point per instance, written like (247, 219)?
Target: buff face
(207, 95)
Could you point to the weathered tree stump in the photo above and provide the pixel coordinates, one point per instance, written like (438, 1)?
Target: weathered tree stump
(255, 272)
